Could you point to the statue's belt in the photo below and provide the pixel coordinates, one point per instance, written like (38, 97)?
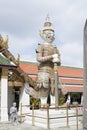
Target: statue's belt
(44, 71)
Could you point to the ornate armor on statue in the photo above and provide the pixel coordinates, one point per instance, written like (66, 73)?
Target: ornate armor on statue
(45, 80)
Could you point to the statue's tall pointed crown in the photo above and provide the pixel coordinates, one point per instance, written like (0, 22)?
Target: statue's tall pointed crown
(48, 24)
(47, 32)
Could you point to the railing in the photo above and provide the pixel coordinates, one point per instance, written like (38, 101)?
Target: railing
(47, 118)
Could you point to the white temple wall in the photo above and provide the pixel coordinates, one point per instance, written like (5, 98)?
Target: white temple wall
(24, 99)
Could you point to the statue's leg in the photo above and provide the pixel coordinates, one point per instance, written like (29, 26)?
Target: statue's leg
(43, 101)
(17, 119)
(52, 101)
(11, 118)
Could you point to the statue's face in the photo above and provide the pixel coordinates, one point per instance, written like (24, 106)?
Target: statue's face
(49, 33)
(43, 87)
(43, 82)
(48, 36)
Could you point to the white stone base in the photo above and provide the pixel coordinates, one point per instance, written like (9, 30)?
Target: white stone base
(57, 118)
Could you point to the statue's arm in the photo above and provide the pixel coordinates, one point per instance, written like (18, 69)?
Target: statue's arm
(40, 57)
(13, 110)
(56, 56)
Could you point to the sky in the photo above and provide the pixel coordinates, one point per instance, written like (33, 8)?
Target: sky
(21, 20)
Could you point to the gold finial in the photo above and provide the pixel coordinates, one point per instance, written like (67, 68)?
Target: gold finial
(6, 42)
(1, 39)
(18, 59)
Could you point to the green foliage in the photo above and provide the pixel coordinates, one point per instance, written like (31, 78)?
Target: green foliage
(61, 101)
(35, 102)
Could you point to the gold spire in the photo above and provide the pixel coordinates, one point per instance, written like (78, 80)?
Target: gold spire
(18, 59)
(6, 42)
(1, 39)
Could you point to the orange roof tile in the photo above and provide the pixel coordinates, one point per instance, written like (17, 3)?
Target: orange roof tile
(70, 71)
(29, 68)
(71, 80)
(74, 88)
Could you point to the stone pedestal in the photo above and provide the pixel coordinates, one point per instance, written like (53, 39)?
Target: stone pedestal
(57, 118)
(4, 95)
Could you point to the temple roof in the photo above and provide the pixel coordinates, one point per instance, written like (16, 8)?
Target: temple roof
(4, 61)
(64, 71)
(70, 77)
(11, 60)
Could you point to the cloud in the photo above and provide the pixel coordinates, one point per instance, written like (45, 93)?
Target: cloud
(71, 55)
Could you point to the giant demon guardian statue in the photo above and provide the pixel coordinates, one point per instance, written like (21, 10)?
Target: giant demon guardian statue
(47, 54)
